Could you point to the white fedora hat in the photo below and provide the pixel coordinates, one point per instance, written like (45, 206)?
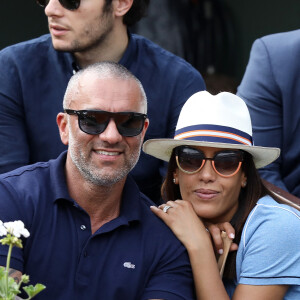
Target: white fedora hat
(220, 121)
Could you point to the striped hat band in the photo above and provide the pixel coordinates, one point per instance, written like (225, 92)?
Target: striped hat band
(213, 133)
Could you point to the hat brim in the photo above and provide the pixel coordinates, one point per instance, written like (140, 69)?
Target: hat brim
(162, 149)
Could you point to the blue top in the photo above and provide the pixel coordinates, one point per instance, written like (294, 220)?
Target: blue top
(271, 89)
(268, 252)
(135, 256)
(33, 80)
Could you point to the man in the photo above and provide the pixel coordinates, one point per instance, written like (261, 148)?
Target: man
(271, 89)
(34, 76)
(92, 234)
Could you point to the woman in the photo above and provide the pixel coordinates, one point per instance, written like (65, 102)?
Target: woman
(212, 169)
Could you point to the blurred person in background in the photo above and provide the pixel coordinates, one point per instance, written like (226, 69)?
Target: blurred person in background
(35, 73)
(271, 90)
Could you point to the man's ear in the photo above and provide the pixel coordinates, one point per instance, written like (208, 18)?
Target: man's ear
(146, 125)
(121, 7)
(63, 126)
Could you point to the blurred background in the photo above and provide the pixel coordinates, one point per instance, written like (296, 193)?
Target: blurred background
(215, 36)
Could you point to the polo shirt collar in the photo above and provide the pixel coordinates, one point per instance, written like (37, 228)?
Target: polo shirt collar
(58, 177)
(132, 199)
(130, 52)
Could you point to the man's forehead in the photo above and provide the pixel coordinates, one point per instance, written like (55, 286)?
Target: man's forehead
(107, 83)
(108, 92)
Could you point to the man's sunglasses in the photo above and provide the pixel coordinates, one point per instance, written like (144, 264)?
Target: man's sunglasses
(67, 4)
(225, 163)
(95, 121)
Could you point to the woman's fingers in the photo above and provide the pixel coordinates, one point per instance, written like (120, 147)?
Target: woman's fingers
(162, 211)
(215, 233)
(233, 247)
(158, 211)
(228, 228)
(216, 230)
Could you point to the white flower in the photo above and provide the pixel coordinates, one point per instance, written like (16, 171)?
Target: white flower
(3, 230)
(17, 229)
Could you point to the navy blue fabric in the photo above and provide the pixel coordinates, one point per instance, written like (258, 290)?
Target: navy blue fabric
(33, 80)
(214, 133)
(271, 89)
(134, 256)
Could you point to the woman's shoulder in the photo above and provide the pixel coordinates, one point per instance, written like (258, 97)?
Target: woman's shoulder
(268, 208)
(270, 218)
(268, 252)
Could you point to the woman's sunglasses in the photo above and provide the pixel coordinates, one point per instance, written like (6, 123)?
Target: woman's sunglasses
(68, 4)
(225, 163)
(95, 121)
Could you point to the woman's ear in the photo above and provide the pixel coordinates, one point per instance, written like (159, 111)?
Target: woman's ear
(175, 177)
(244, 180)
(63, 126)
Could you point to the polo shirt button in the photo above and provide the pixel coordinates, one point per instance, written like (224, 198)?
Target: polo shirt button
(82, 227)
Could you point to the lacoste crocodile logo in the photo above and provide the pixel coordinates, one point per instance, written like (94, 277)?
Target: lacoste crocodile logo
(128, 265)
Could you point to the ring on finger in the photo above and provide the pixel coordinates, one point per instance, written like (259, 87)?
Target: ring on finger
(165, 209)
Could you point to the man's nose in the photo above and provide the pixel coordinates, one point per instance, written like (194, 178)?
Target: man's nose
(53, 8)
(111, 134)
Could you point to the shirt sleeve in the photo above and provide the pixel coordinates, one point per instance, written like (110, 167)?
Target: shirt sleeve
(173, 279)
(11, 209)
(270, 246)
(263, 98)
(14, 149)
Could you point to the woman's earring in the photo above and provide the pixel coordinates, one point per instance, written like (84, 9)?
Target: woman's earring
(244, 184)
(174, 180)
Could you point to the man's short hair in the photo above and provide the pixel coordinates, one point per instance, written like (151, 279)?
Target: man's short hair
(136, 12)
(104, 69)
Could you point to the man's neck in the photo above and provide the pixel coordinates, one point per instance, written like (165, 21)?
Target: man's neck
(112, 49)
(101, 203)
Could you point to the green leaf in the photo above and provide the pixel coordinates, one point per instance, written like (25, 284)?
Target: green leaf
(13, 287)
(33, 290)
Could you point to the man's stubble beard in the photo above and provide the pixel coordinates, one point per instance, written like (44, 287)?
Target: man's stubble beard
(90, 39)
(94, 43)
(95, 175)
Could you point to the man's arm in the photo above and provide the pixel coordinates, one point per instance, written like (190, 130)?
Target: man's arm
(262, 96)
(14, 145)
(15, 274)
(173, 278)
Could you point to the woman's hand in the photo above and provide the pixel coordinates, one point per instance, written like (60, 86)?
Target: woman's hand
(215, 230)
(189, 228)
(183, 221)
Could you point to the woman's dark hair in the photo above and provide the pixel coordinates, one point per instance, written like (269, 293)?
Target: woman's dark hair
(136, 12)
(248, 198)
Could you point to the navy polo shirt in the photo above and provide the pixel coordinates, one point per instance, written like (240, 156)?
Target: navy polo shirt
(134, 256)
(33, 80)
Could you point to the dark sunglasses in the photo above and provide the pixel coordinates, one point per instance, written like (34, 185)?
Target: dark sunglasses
(225, 163)
(67, 4)
(96, 121)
